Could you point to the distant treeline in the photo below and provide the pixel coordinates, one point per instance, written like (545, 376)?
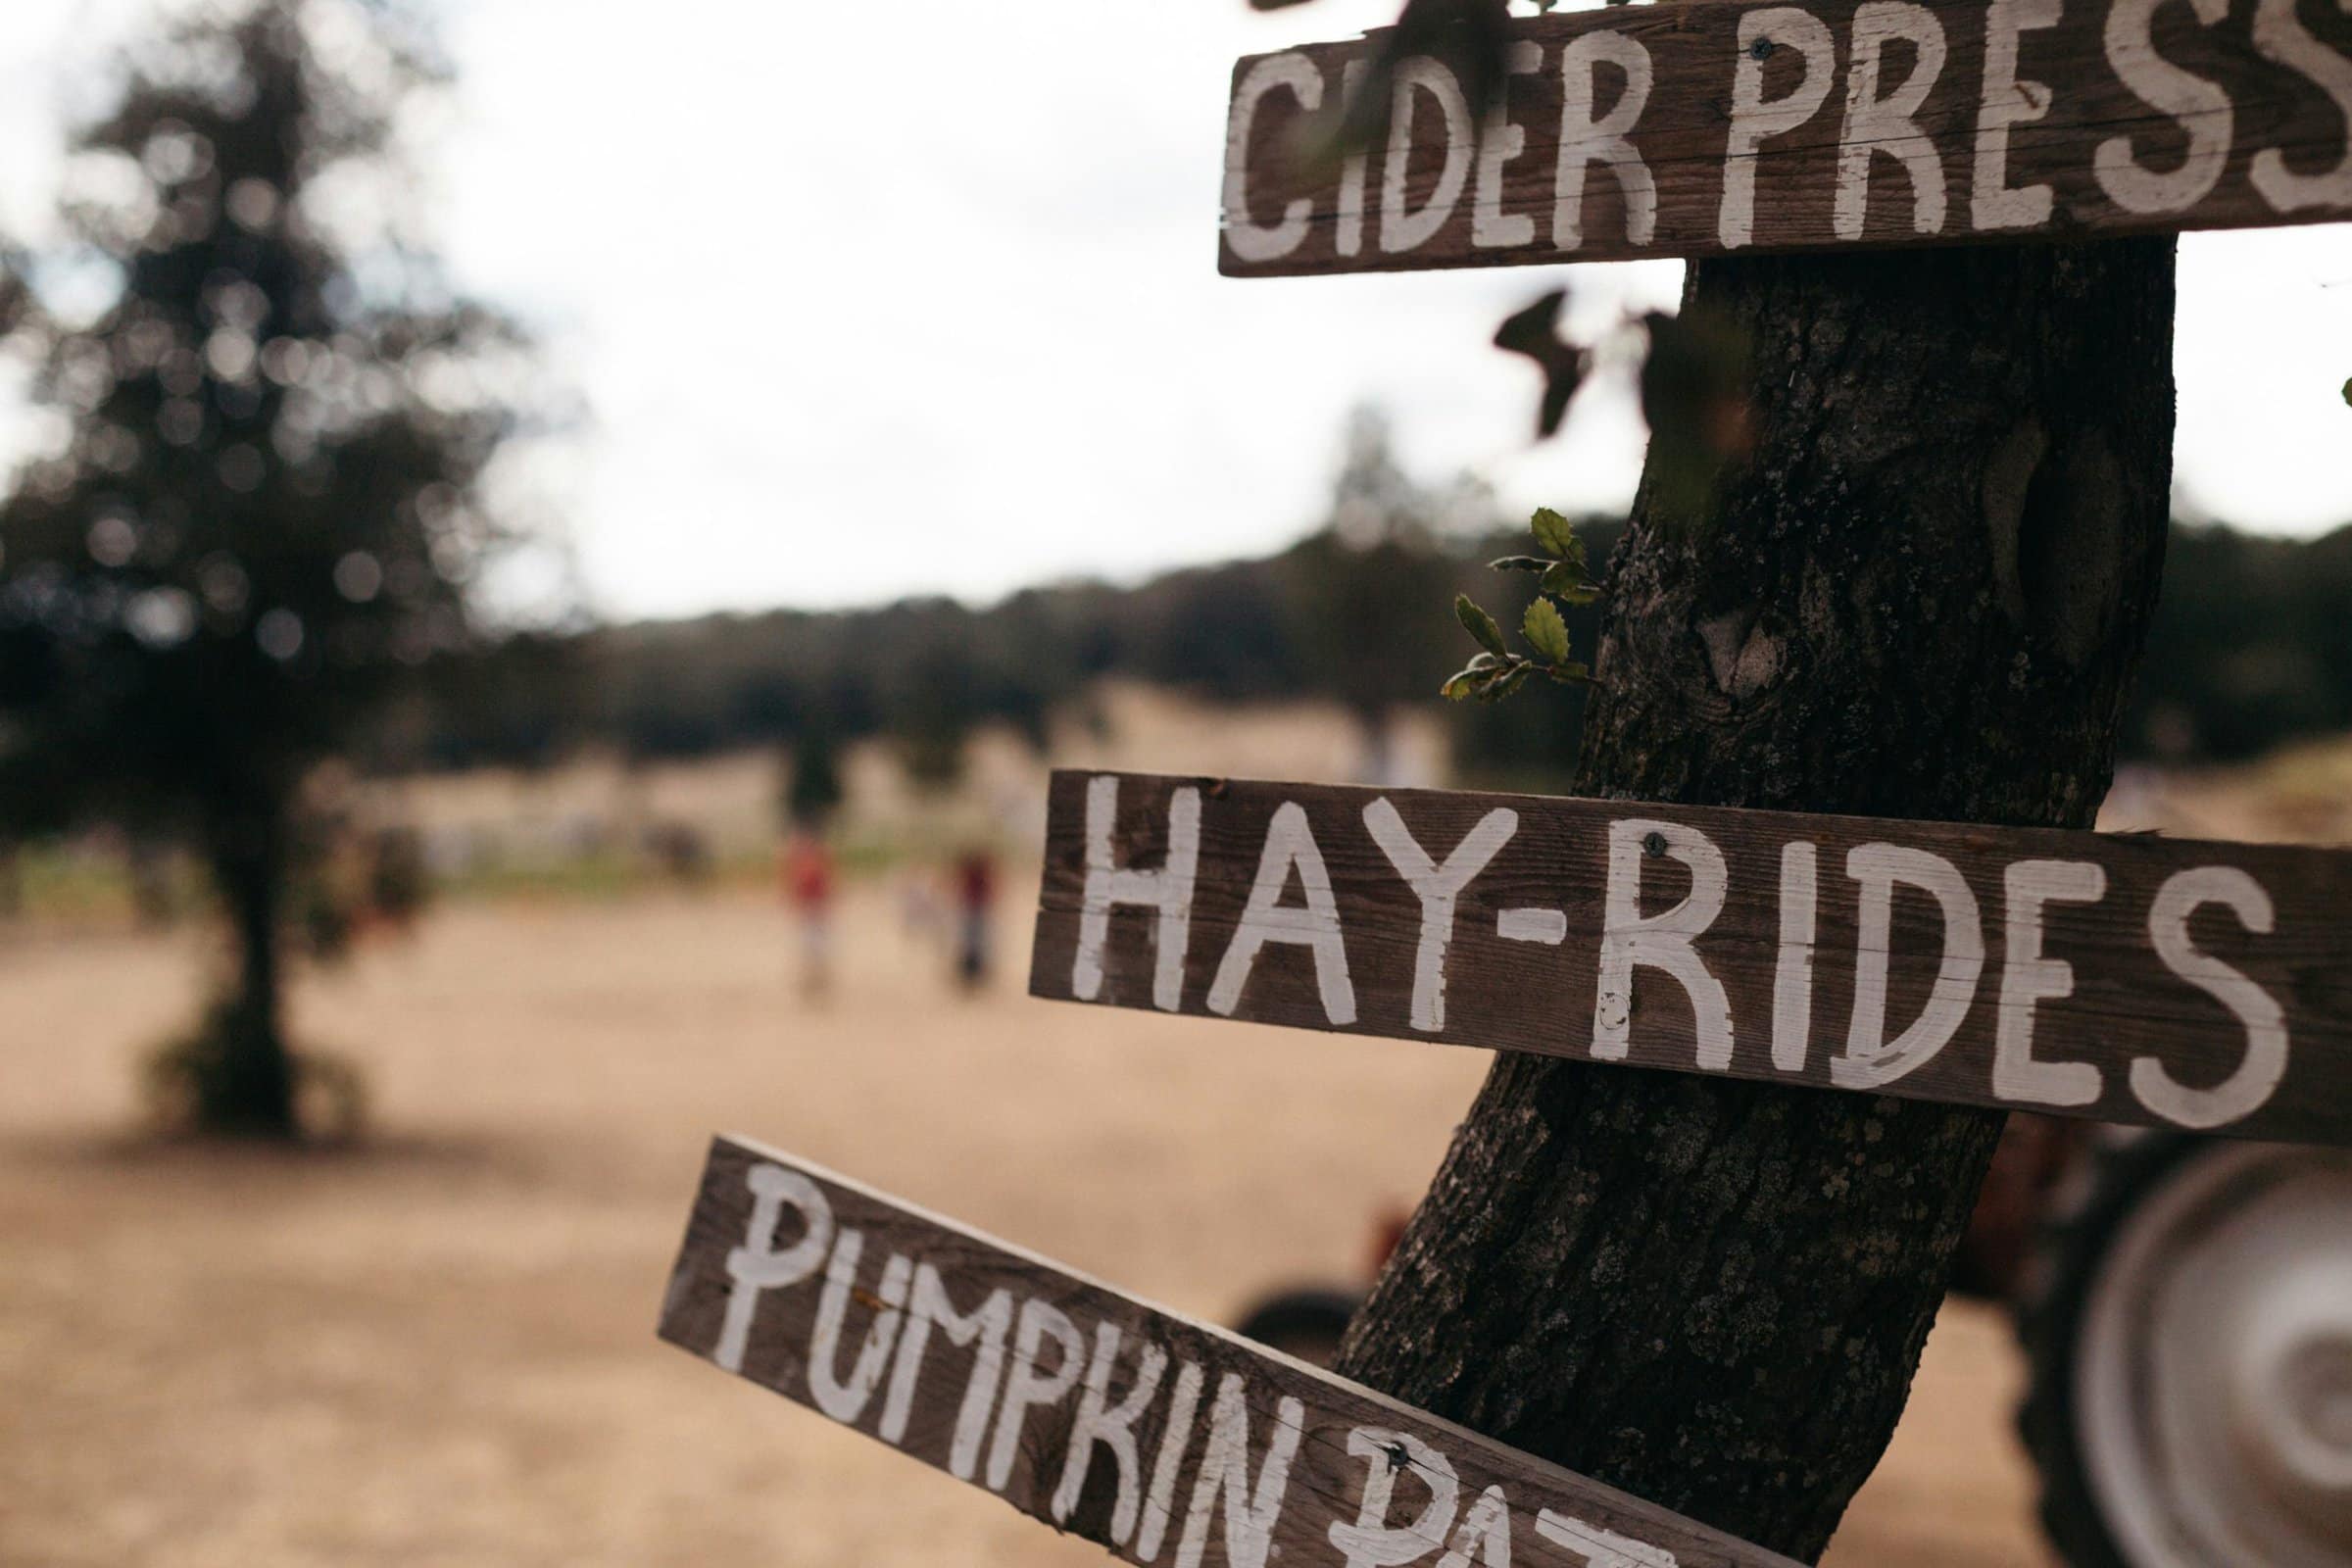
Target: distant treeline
(2252, 646)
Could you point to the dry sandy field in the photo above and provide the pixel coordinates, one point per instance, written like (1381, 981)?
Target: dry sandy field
(437, 1347)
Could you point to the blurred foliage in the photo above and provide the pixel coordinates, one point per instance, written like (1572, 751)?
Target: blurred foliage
(813, 787)
(1691, 367)
(1469, 36)
(264, 509)
(2250, 648)
(1344, 615)
(1535, 332)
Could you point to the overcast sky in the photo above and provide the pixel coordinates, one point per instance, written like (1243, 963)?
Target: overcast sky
(867, 300)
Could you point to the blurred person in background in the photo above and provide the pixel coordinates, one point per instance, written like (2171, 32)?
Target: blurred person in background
(975, 882)
(805, 866)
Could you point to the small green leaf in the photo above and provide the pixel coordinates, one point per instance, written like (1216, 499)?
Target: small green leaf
(1503, 686)
(2348, 393)
(1552, 531)
(1521, 563)
(1479, 678)
(1563, 577)
(1478, 623)
(1566, 581)
(1546, 632)
(1571, 675)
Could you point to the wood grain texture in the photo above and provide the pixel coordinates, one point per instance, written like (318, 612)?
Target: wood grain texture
(814, 1287)
(1523, 956)
(2039, 120)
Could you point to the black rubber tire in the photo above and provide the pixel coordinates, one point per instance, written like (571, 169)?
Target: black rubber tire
(1306, 1324)
(2074, 1239)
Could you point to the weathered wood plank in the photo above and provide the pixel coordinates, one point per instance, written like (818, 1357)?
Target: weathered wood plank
(2127, 978)
(1700, 127)
(1160, 1439)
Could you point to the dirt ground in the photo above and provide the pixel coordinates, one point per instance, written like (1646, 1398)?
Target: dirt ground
(438, 1349)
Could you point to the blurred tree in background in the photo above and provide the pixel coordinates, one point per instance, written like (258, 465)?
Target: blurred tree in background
(2249, 649)
(1338, 615)
(1356, 632)
(932, 691)
(813, 788)
(266, 504)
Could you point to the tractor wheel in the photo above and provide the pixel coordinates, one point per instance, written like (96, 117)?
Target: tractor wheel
(2187, 1326)
(1304, 1325)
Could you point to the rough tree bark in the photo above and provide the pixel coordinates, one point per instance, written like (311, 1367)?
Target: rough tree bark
(1922, 597)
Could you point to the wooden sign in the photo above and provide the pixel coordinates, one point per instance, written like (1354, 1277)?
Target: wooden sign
(2126, 978)
(1162, 1440)
(1699, 127)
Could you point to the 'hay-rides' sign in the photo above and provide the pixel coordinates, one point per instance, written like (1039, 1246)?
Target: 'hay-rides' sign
(2123, 977)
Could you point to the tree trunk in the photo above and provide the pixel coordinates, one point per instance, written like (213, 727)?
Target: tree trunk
(245, 1075)
(1921, 595)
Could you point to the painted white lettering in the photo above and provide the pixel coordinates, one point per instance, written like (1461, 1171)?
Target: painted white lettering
(1756, 118)
(1485, 1535)
(1871, 1060)
(1027, 1387)
(1545, 927)
(1250, 1512)
(2199, 107)
(1184, 1400)
(2030, 977)
(846, 1400)
(1371, 1541)
(1290, 846)
(1169, 890)
(1347, 238)
(2008, 102)
(2282, 37)
(983, 1329)
(1437, 886)
(1251, 240)
(1598, 1547)
(2246, 1090)
(1112, 1427)
(1499, 142)
(1792, 976)
(1662, 941)
(758, 1266)
(1401, 228)
(1586, 138)
(1889, 124)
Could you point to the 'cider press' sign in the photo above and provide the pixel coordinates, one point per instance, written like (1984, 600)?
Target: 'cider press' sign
(1699, 127)
(2132, 979)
